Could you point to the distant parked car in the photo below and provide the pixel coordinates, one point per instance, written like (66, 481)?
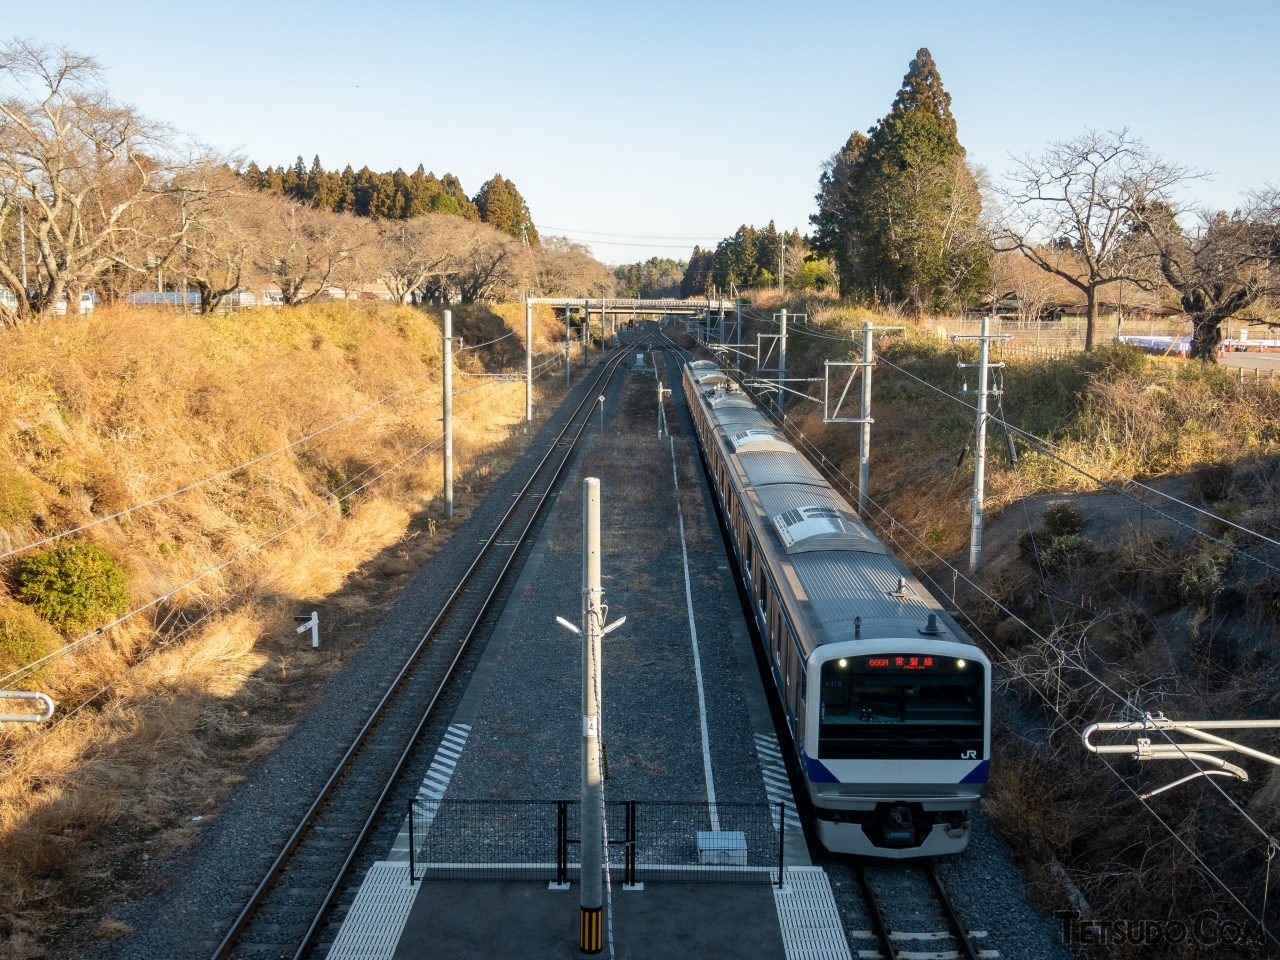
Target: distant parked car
(87, 301)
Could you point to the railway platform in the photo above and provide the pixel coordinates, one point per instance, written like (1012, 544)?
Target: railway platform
(479, 921)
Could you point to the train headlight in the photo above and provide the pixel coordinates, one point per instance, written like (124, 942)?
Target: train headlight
(843, 663)
(959, 664)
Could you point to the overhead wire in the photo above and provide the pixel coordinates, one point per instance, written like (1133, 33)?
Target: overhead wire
(187, 628)
(280, 530)
(850, 487)
(1060, 454)
(1124, 701)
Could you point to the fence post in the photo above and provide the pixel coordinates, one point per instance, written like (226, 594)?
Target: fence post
(562, 841)
(782, 839)
(631, 844)
(413, 873)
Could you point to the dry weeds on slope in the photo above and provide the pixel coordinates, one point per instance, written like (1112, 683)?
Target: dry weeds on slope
(103, 412)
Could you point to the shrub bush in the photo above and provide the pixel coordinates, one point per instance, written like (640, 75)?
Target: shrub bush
(1062, 518)
(23, 636)
(75, 587)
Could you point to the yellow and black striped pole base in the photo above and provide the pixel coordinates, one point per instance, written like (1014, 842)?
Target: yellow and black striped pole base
(591, 929)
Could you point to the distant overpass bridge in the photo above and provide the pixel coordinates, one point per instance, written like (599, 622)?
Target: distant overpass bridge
(616, 306)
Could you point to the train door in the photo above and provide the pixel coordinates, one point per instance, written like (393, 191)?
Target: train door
(795, 684)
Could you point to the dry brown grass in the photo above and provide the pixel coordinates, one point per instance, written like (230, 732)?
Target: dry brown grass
(102, 412)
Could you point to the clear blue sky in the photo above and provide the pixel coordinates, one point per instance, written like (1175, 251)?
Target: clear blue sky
(679, 120)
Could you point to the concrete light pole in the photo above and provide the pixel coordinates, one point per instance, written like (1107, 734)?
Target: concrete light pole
(528, 362)
(447, 402)
(591, 903)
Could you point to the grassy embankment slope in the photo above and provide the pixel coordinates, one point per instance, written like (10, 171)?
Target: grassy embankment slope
(101, 413)
(1162, 616)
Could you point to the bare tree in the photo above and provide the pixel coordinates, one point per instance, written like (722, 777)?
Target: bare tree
(1036, 289)
(567, 269)
(205, 230)
(76, 168)
(304, 250)
(1225, 264)
(487, 263)
(411, 252)
(1080, 195)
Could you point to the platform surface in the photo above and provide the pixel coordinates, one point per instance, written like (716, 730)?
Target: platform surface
(491, 921)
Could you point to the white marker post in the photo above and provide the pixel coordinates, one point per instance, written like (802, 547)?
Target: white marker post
(309, 622)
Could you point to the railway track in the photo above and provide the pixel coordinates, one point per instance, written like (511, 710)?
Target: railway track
(911, 916)
(289, 906)
(908, 912)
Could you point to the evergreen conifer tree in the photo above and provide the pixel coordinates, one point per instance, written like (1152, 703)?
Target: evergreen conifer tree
(898, 209)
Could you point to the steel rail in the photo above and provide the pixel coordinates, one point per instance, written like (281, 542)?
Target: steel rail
(879, 925)
(958, 932)
(427, 714)
(256, 899)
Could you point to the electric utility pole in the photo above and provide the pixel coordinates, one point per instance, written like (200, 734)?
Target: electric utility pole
(586, 331)
(984, 366)
(568, 362)
(864, 428)
(528, 362)
(447, 402)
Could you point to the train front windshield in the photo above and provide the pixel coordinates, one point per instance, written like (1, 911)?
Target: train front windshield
(901, 707)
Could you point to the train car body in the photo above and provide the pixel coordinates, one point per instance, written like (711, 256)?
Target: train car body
(887, 700)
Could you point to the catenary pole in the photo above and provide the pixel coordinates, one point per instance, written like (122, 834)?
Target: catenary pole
(568, 362)
(586, 332)
(737, 339)
(447, 403)
(528, 362)
(782, 358)
(980, 449)
(864, 439)
(591, 903)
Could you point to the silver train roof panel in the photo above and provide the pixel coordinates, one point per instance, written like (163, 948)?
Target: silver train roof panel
(808, 518)
(767, 467)
(748, 439)
(733, 419)
(729, 401)
(840, 588)
(711, 378)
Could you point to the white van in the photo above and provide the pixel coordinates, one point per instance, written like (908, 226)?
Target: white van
(87, 301)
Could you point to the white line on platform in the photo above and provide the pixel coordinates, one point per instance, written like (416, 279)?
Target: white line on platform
(697, 659)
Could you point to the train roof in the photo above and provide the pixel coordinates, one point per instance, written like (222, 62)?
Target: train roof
(845, 581)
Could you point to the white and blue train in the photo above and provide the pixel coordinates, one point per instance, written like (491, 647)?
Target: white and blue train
(887, 700)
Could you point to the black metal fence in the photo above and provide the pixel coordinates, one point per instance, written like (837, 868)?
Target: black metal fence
(649, 841)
